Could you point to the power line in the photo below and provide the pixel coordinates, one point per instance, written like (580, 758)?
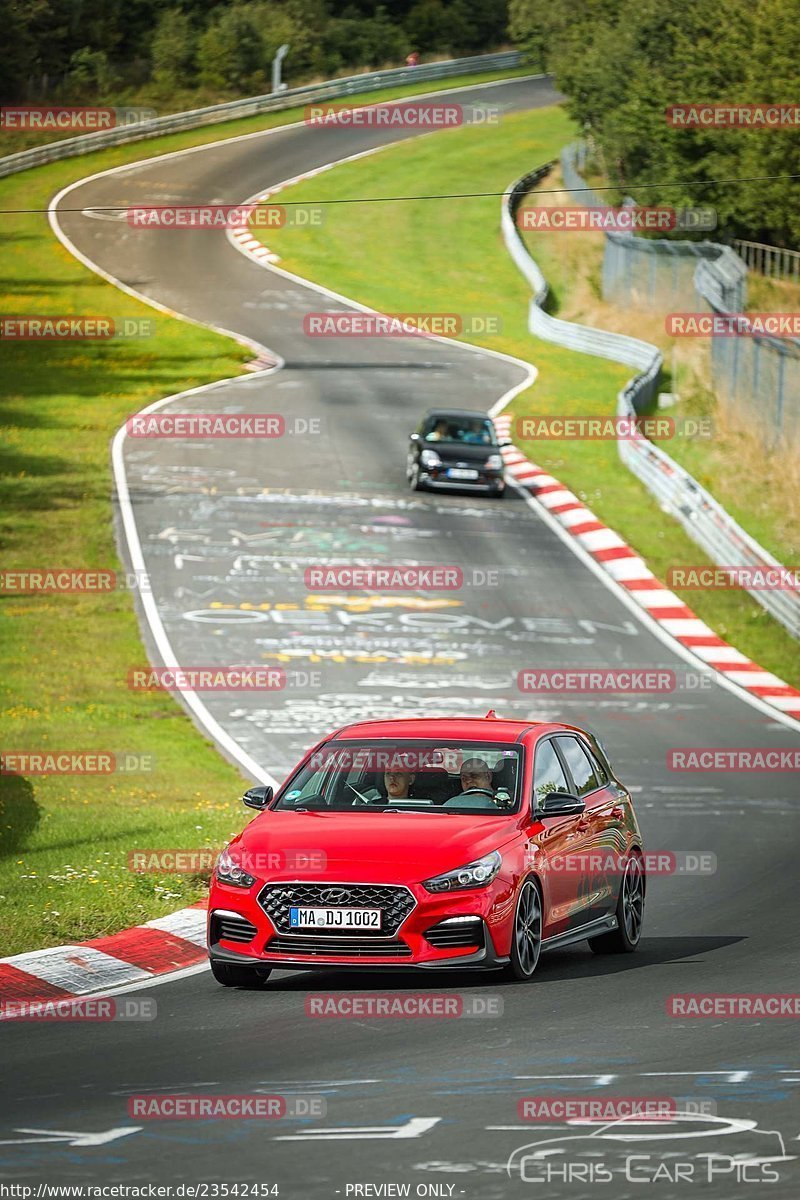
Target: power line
(431, 196)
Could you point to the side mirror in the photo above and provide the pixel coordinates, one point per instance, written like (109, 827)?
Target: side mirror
(561, 804)
(414, 437)
(258, 797)
(505, 442)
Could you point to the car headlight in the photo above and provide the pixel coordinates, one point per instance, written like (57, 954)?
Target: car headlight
(228, 871)
(473, 875)
(494, 462)
(429, 458)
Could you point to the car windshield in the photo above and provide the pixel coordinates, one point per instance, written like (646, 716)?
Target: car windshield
(414, 776)
(475, 431)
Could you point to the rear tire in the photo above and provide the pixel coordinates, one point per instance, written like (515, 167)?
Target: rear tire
(231, 975)
(630, 913)
(526, 937)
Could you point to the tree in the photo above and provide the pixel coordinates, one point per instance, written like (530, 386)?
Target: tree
(230, 53)
(172, 50)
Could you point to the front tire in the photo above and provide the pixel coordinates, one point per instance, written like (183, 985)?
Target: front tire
(414, 479)
(231, 975)
(630, 913)
(526, 938)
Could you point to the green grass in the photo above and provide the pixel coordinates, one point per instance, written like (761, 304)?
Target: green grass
(448, 255)
(64, 659)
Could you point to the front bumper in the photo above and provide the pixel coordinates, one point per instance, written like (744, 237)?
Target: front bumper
(487, 481)
(483, 960)
(430, 932)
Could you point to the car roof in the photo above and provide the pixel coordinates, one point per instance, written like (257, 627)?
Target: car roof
(455, 412)
(493, 729)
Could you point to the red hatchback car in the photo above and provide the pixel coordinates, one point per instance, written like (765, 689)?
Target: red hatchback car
(465, 842)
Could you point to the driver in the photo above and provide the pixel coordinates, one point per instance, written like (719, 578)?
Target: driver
(476, 786)
(476, 776)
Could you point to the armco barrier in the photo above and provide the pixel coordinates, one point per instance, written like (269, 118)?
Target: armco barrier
(332, 89)
(680, 495)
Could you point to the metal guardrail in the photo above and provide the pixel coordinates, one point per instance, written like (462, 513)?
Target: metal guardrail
(680, 495)
(773, 261)
(332, 89)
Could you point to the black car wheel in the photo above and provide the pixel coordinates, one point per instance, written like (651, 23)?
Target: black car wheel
(231, 975)
(526, 939)
(630, 913)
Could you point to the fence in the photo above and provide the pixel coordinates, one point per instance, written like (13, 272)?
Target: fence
(705, 521)
(773, 261)
(291, 98)
(757, 376)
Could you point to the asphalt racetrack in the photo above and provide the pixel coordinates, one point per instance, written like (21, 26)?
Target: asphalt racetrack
(226, 531)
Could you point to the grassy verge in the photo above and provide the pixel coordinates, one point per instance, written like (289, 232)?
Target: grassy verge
(448, 255)
(63, 658)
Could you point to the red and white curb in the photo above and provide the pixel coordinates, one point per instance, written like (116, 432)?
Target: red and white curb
(629, 570)
(133, 956)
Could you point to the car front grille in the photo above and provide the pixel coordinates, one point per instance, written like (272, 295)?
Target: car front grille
(456, 936)
(231, 928)
(338, 947)
(395, 902)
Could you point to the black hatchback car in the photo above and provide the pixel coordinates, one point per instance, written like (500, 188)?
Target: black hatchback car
(458, 449)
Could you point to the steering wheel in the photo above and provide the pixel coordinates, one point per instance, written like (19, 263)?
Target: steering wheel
(362, 798)
(479, 792)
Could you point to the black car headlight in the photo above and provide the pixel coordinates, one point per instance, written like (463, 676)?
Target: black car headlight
(473, 875)
(228, 871)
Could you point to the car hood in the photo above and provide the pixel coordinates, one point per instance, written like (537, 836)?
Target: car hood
(407, 846)
(462, 453)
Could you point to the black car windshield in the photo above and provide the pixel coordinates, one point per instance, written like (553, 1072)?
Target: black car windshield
(469, 431)
(415, 776)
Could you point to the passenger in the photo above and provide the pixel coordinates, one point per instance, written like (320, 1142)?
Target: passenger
(398, 784)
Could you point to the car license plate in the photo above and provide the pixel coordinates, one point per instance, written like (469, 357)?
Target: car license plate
(335, 918)
(461, 473)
